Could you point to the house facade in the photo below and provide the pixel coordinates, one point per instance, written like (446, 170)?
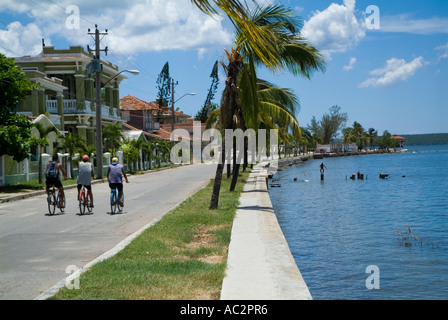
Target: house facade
(66, 99)
(67, 92)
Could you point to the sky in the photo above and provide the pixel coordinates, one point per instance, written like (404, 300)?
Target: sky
(386, 61)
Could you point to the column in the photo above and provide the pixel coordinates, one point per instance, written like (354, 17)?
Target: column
(41, 102)
(80, 92)
(82, 131)
(34, 102)
(90, 92)
(116, 98)
(109, 99)
(60, 99)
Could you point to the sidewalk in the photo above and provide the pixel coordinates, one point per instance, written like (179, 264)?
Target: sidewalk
(260, 265)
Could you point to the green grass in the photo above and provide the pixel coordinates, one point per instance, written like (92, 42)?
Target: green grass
(183, 256)
(32, 185)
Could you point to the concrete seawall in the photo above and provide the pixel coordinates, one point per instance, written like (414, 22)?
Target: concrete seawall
(260, 265)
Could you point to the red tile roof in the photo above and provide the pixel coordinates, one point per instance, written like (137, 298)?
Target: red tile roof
(130, 102)
(397, 137)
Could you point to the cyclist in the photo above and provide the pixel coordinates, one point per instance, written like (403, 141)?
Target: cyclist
(85, 174)
(52, 177)
(115, 175)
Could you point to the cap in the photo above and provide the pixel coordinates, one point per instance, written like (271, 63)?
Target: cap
(114, 159)
(85, 157)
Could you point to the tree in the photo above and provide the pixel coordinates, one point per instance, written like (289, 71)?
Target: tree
(386, 141)
(208, 107)
(15, 136)
(14, 85)
(164, 87)
(327, 128)
(41, 142)
(15, 131)
(266, 37)
(372, 135)
(131, 153)
(71, 144)
(112, 137)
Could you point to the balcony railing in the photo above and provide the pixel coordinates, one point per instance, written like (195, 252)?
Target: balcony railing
(151, 126)
(71, 107)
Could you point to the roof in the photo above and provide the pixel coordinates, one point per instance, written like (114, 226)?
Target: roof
(397, 137)
(162, 134)
(130, 102)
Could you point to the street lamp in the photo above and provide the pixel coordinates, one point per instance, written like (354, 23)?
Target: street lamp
(173, 102)
(99, 131)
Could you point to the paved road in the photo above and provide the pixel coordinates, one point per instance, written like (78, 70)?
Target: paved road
(36, 248)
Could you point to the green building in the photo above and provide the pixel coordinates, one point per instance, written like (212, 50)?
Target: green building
(65, 99)
(67, 91)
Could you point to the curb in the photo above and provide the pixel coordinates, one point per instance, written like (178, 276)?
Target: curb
(260, 265)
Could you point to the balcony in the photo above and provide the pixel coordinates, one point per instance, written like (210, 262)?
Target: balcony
(151, 126)
(70, 107)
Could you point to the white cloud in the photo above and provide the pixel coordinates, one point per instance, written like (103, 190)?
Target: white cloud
(134, 25)
(335, 29)
(394, 71)
(19, 40)
(443, 49)
(351, 64)
(405, 23)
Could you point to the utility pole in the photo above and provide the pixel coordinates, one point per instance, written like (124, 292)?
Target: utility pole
(172, 105)
(97, 68)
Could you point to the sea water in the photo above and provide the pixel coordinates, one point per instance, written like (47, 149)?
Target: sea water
(372, 238)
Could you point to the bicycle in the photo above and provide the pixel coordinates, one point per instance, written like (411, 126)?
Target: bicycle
(84, 200)
(53, 201)
(115, 204)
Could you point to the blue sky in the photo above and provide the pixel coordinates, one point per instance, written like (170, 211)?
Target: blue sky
(391, 78)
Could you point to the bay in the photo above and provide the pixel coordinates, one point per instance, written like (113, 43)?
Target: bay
(346, 235)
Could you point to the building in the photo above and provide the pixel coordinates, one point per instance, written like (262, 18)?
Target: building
(65, 99)
(149, 116)
(400, 140)
(67, 91)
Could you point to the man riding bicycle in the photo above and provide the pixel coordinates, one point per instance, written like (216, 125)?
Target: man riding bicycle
(85, 174)
(115, 175)
(52, 177)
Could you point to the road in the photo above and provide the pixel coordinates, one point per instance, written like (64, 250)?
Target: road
(36, 248)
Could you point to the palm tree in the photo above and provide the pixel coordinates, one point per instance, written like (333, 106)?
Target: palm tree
(71, 144)
(264, 37)
(42, 142)
(372, 135)
(112, 137)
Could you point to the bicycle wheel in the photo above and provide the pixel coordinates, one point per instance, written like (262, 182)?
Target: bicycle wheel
(51, 200)
(113, 201)
(82, 205)
(88, 204)
(120, 204)
(61, 206)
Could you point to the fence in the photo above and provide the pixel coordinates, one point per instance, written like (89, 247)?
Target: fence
(12, 172)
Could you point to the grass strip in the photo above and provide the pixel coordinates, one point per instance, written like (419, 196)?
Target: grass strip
(182, 256)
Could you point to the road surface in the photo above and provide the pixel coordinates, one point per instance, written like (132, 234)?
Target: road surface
(36, 248)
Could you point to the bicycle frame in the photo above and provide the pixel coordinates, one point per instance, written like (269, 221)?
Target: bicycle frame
(53, 200)
(115, 201)
(84, 200)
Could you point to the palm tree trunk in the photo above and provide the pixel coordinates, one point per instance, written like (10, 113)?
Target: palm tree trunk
(40, 165)
(237, 162)
(228, 103)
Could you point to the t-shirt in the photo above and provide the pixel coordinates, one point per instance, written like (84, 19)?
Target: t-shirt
(84, 173)
(115, 174)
